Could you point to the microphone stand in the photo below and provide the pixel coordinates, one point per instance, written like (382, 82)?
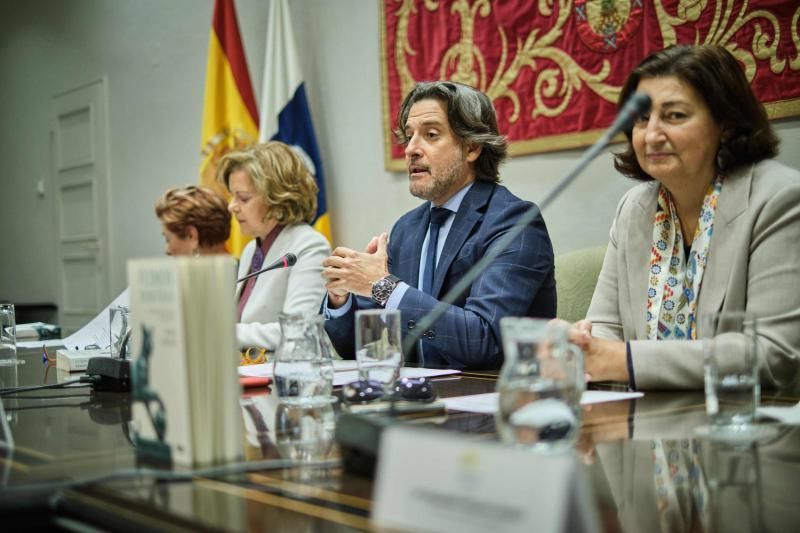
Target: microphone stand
(637, 104)
(358, 435)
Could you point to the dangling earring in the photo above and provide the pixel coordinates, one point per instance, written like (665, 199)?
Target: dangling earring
(196, 252)
(723, 158)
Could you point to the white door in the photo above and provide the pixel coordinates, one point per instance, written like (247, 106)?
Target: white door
(78, 121)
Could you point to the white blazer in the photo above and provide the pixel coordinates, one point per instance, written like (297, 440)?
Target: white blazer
(289, 290)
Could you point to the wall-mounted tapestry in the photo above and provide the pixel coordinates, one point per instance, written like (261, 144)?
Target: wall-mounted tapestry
(554, 68)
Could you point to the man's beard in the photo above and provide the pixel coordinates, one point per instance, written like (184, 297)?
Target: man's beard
(441, 181)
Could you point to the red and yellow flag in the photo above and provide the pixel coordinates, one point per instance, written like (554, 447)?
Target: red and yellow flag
(230, 117)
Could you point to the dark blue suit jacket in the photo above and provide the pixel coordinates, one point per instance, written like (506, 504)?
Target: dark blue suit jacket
(519, 282)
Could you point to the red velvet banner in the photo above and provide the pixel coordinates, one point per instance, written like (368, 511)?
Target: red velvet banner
(554, 68)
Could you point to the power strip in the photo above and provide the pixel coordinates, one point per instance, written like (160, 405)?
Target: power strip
(76, 360)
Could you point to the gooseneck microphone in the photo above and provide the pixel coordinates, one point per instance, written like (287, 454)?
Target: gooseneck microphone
(359, 435)
(288, 259)
(285, 261)
(637, 105)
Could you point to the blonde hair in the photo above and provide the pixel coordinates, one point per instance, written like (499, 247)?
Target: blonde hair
(200, 207)
(279, 175)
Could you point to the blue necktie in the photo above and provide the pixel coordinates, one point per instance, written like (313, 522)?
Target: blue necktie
(438, 216)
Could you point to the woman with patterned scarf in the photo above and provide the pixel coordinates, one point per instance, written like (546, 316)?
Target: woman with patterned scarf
(715, 226)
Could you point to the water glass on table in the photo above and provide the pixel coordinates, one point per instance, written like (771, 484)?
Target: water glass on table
(540, 385)
(8, 335)
(730, 354)
(378, 351)
(119, 328)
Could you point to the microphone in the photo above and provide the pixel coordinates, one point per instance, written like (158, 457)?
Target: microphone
(637, 104)
(287, 260)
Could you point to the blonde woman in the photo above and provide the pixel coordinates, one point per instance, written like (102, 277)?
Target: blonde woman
(274, 197)
(194, 221)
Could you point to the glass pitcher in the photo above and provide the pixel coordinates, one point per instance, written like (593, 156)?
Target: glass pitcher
(540, 385)
(303, 369)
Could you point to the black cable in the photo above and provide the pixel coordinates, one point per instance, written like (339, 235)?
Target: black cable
(42, 406)
(168, 476)
(59, 396)
(87, 381)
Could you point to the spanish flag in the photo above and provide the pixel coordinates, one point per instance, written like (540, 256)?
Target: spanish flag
(230, 117)
(285, 114)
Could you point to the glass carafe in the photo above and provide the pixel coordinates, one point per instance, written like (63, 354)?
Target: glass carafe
(303, 370)
(540, 385)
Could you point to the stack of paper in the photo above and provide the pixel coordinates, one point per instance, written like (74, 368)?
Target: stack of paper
(34, 331)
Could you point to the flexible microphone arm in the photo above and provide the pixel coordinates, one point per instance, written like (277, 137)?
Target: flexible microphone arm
(637, 104)
(287, 260)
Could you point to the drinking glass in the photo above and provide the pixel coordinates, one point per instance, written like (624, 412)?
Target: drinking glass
(733, 475)
(540, 385)
(378, 352)
(730, 354)
(119, 328)
(8, 335)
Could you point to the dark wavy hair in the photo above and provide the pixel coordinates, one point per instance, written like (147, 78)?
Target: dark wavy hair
(714, 73)
(471, 116)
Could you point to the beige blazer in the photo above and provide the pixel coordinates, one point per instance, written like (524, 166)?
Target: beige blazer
(767, 472)
(753, 264)
(289, 290)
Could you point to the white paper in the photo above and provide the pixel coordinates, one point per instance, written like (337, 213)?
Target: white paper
(30, 331)
(264, 370)
(475, 403)
(346, 372)
(50, 343)
(96, 332)
(487, 403)
(787, 415)
(600, 396)
(343, 378)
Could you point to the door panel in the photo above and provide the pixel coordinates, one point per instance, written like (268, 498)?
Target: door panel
(80, 167)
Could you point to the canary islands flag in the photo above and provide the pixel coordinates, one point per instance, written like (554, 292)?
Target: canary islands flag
(285, 115)
(230, 118)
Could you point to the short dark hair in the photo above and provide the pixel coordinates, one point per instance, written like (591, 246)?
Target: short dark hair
(470, 114)
(714, 73)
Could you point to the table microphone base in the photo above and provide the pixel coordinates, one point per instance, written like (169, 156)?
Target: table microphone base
(359, 438)
(114, 374)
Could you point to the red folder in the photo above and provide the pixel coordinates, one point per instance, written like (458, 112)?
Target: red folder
(254, 382)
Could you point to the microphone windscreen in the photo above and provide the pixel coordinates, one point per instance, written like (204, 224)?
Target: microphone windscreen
(291, 259)
(634, 107)
(640, 102)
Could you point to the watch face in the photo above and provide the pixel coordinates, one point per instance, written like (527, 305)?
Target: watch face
(382, 289)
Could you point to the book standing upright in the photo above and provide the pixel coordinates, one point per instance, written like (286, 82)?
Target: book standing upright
(185, 387)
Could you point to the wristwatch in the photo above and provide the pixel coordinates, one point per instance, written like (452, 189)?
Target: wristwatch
(382, 289)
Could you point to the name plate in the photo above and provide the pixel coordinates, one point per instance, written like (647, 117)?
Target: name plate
(439, 481)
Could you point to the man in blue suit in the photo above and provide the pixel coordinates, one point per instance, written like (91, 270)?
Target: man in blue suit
(452, 150)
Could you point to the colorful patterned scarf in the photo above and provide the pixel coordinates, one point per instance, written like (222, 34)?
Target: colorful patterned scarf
(681, 486)
(674, 282)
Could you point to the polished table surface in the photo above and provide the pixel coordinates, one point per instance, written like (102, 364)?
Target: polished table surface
(648, 467)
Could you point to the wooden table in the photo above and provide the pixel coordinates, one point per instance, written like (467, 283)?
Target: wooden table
(708, 485)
